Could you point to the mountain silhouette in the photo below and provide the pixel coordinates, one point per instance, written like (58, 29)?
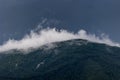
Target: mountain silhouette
(68, 60)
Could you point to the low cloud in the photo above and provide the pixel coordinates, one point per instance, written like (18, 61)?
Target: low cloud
(45, 36)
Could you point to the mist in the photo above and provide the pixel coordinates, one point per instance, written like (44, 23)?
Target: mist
(36, 39)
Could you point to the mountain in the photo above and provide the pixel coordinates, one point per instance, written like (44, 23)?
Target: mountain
(68, 60)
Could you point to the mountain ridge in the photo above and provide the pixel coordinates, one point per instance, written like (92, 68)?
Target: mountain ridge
(67, 60)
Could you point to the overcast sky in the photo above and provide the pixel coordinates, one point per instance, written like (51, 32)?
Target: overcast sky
(18, 17)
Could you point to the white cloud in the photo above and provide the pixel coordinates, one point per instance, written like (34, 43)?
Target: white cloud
(36, 39)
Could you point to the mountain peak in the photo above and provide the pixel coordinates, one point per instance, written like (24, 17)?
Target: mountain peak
(68, 60)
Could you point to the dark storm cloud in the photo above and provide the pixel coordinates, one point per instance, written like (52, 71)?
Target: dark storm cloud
(18, 16)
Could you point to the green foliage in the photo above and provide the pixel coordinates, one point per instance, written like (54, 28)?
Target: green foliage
(68, 61)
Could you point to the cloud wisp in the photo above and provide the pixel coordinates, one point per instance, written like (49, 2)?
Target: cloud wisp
(45, 36)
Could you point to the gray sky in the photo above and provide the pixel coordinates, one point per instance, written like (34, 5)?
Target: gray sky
(18, 17)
